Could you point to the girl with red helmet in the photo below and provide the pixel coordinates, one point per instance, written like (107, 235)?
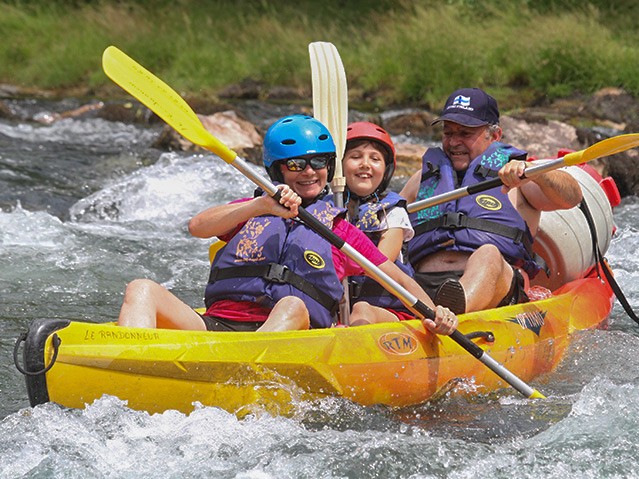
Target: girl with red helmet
(369, 163)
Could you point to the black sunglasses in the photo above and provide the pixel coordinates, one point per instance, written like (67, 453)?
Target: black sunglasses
(317, 162)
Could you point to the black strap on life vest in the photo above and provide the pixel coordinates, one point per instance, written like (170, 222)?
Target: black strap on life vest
(484, 172)
(541, 262)
(601, 265)
(367, 289)
(432, 171)
(455, 220)
(276, 273)
(370, 289)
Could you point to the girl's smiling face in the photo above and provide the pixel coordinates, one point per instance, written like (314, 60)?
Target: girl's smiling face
(364, 168)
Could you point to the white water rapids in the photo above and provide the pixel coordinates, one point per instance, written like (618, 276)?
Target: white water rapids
(86, 206)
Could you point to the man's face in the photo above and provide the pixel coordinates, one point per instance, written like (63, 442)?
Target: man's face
(462, 144)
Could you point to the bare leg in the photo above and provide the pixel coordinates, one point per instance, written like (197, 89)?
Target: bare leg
(289, 314)
(150, 305)
(364, 313)
(486, 278)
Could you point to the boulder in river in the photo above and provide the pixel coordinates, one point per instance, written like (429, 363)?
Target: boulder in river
(538, 136)
(237, 133)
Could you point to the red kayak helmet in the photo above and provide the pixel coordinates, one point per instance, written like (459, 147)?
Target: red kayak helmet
(364, 130)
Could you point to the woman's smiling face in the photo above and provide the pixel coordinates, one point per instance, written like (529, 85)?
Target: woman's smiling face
(308, 184)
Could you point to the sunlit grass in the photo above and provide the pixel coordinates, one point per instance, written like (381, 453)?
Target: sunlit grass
(403, 52)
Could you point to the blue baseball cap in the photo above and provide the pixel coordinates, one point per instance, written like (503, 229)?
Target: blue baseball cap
(470, 107)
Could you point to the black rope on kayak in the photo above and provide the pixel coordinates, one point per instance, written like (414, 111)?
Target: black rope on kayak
(56, 341)
(601, 261)
(487, 335)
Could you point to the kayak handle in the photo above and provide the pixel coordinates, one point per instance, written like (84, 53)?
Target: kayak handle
(487, 335)
(56, 341)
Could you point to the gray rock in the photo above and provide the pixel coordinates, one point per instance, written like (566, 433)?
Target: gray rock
(542, 139)
(238, 134)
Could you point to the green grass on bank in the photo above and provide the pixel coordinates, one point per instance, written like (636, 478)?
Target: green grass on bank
(393, 51)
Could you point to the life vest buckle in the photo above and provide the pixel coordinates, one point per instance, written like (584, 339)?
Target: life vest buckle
(276, 273)
(355, 288)
(452, 220)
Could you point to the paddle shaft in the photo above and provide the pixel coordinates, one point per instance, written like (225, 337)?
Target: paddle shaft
(531, 172)
(172, 108)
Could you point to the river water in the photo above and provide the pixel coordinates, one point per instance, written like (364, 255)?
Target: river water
(86, 206)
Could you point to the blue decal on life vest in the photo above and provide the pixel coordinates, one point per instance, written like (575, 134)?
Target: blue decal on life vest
(533, 320)
(398, 343)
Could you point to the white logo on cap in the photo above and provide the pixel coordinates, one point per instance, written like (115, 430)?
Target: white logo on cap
(462, 100)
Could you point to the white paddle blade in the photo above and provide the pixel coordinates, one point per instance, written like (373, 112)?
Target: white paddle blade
(330, 94)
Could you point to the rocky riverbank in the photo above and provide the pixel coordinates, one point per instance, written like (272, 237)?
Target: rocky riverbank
(240, 119)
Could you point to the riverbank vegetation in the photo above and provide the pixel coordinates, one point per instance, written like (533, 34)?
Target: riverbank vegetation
(401, 52)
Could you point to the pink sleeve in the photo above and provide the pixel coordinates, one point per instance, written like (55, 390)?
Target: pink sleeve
(344, 266)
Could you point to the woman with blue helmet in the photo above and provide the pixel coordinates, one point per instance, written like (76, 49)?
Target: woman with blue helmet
(301, 137)
(274, 273)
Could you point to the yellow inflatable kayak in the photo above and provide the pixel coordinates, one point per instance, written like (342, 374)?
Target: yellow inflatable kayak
(396, 364)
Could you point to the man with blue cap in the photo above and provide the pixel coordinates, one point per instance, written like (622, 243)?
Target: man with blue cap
(476, 252)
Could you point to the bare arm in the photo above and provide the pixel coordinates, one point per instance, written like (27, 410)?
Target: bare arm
(390, 243)
(549, 191)
(223, 219)
(411, 188)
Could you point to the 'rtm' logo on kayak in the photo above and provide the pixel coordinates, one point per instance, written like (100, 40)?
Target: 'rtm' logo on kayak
(532, 320)
(398, 343)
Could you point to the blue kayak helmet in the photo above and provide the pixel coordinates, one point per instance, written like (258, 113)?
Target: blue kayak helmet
(296, 136)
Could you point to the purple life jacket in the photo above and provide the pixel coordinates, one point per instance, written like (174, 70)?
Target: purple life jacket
(472, 221)
(363, 288)
(271, 258)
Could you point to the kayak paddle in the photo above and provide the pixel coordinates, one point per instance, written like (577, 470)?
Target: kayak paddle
(606, 147)
(330, 107)
(330, 103)
(172, 108)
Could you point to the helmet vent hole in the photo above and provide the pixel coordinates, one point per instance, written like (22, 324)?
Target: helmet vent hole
(323, 137)
(289, 141)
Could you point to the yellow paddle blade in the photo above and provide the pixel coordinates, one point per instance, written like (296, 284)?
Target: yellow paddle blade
(536, 395)
(162, 99)
(606, 147)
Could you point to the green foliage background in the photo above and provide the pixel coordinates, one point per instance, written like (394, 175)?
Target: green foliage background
(403, 52)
